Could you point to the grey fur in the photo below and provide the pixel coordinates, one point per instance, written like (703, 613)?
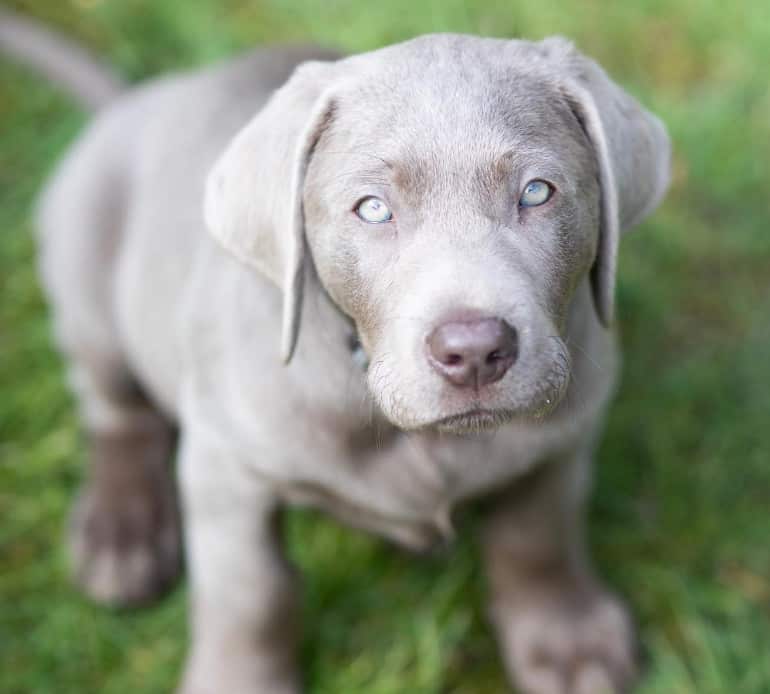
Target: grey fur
(448, 129)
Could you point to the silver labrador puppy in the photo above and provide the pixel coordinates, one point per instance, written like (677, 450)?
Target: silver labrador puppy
(444, 216)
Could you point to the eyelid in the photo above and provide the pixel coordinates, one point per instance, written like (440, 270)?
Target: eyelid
(538, 179)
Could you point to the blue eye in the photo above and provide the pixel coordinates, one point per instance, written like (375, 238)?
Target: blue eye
(535, 193)
(373, 210)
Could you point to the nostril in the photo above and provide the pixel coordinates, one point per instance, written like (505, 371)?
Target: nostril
(473, 352)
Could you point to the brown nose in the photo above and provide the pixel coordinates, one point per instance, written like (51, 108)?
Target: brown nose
(473, 353)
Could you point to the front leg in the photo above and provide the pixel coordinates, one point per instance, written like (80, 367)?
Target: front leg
(560, 630)
(244, 612)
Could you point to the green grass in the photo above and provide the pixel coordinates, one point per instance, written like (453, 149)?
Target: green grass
(681, 516)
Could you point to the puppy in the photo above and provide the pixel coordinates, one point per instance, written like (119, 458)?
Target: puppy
(334, 275)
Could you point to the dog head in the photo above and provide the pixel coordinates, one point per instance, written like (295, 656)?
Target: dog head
(452, 192)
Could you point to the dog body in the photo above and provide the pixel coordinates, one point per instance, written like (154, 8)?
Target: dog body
(164, 322)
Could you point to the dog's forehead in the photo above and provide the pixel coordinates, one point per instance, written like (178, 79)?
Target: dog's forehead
(483, 95)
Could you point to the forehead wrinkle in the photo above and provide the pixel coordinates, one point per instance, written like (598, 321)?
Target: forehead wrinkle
(428, 161)
(351, 170)
(410, 178)
(360, 153)
(542, 162)
(361, 177)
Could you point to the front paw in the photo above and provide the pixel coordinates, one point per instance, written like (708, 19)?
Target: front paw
(238, 674)
(567, 643)
(250, 688)
(124, 536)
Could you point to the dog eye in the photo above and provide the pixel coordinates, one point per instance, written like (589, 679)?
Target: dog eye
(535, 193)
(373, 210)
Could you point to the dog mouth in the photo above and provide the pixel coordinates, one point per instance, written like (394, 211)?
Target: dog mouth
(477, 420)
(474, 421)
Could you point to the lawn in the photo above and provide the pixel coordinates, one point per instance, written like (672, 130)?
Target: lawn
(680, 520)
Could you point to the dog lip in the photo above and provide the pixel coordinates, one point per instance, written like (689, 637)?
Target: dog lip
(476, 418)
(472, 412)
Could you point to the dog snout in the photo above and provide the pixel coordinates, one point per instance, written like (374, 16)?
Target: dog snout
(475, 353)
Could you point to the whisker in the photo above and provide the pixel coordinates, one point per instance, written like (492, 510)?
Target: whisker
(586, 354)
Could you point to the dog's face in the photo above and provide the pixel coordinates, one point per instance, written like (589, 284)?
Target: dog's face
(453, 231)
(453, 193)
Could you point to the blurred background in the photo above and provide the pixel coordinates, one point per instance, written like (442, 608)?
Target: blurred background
(680, 520)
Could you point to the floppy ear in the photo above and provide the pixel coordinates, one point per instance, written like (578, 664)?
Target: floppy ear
(253, 202)
(633, 154)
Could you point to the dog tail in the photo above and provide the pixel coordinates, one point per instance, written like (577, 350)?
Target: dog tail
(64, 63)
